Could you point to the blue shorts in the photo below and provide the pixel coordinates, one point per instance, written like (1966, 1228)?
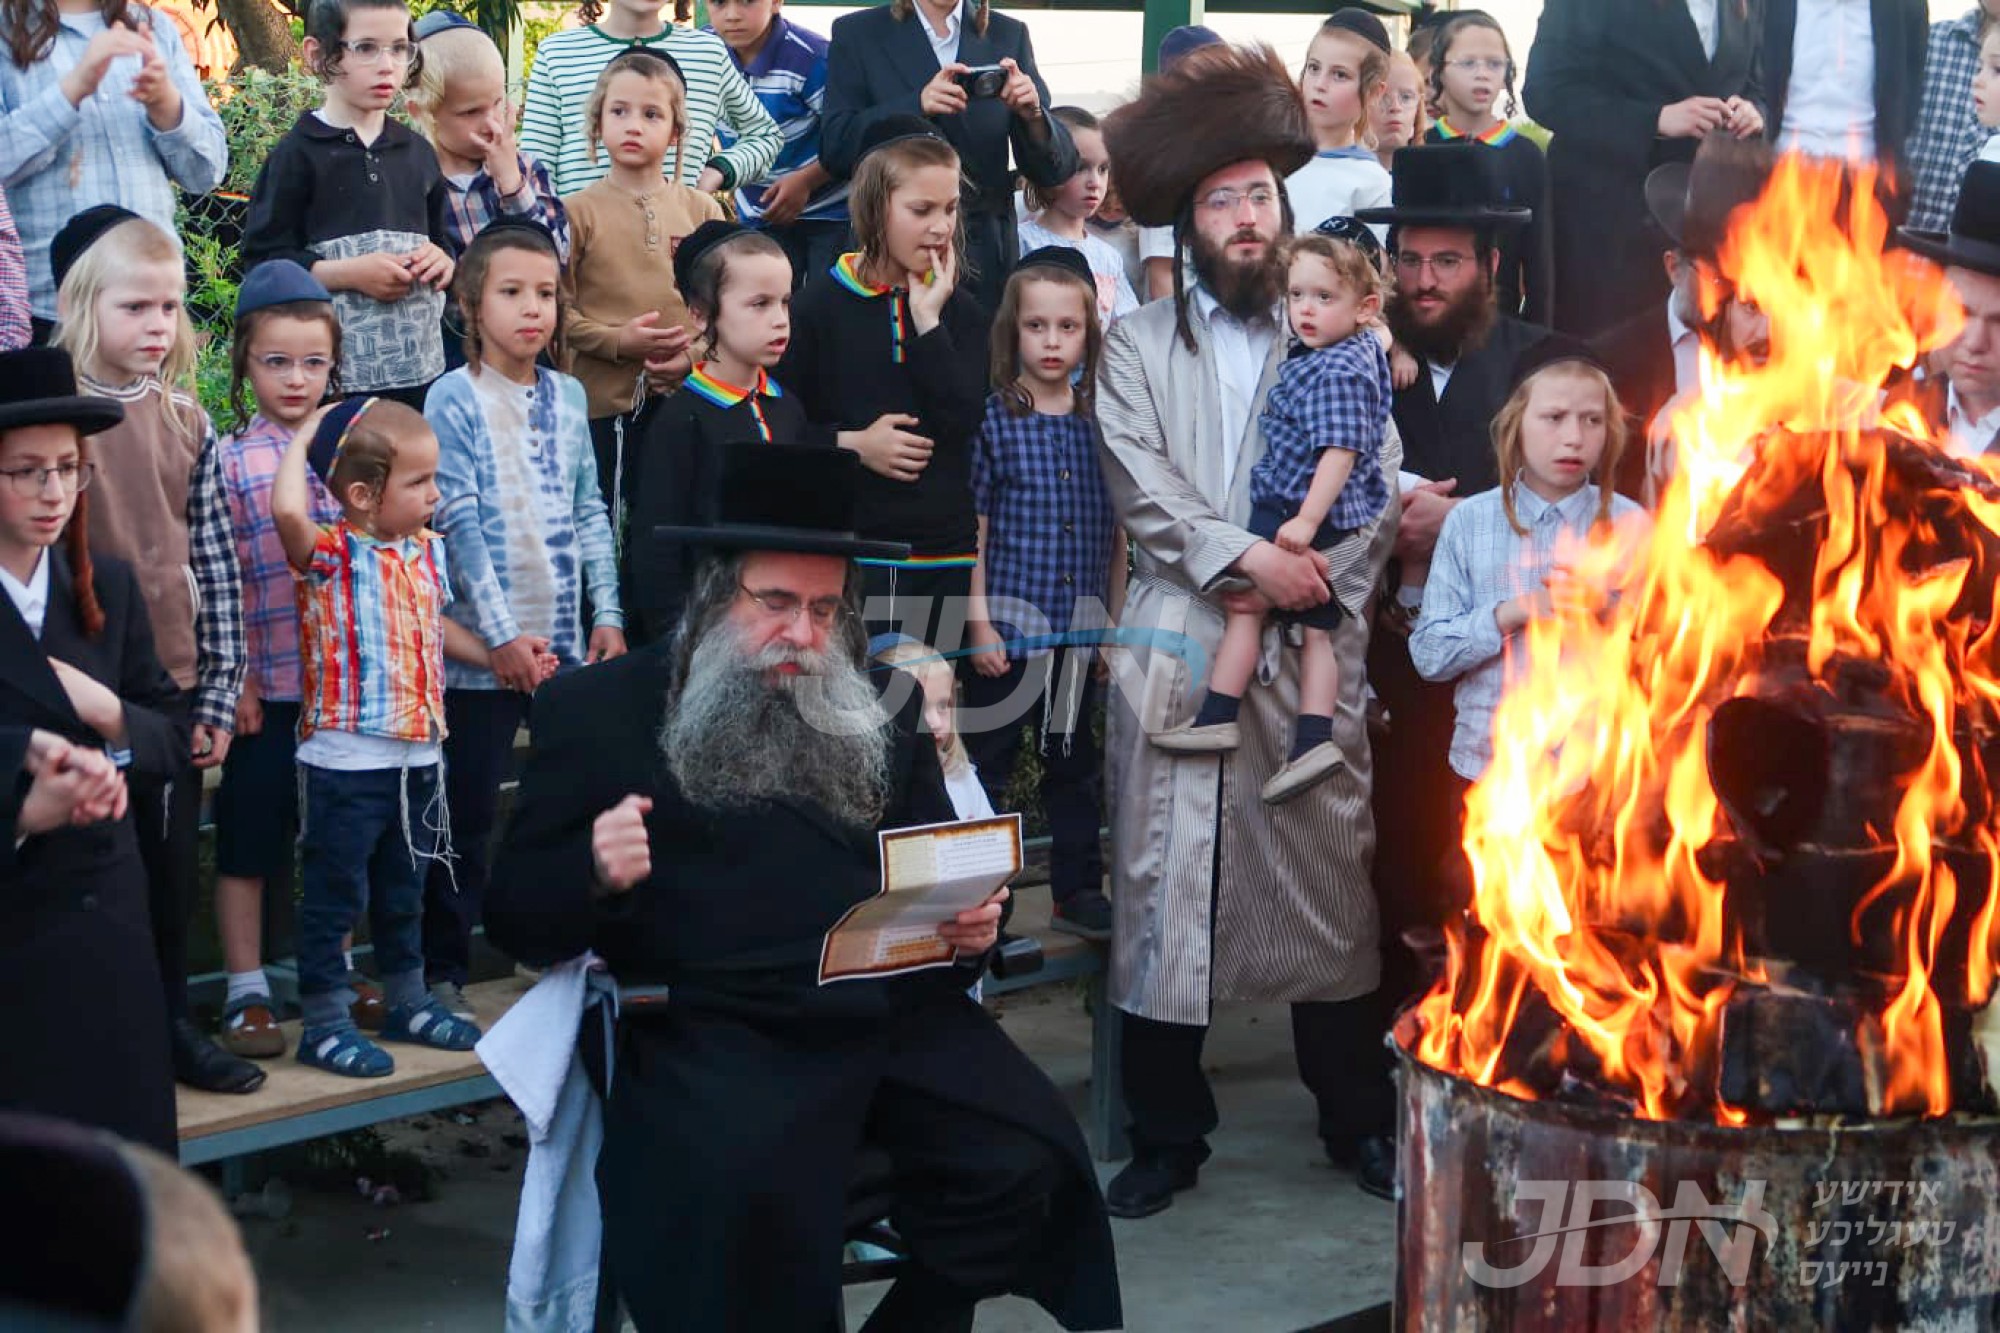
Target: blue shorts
(1265, 520)
(257, 805)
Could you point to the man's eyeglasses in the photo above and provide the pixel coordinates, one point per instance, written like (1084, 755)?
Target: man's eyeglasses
(29, 482)
(1228, 201)
(367, 49)
(1445, 266)
(1479, 65)
(278, 364)
(826, 612)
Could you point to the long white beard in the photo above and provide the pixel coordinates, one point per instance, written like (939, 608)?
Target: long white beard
(739, 734)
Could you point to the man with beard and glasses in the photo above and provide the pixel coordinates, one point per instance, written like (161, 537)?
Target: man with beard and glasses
(1443, 218)
(1216, 895)
(699, 814)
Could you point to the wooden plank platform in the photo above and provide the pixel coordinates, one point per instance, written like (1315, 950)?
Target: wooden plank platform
(292, 1091)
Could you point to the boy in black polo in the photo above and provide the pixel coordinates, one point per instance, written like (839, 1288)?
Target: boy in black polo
(358, 200)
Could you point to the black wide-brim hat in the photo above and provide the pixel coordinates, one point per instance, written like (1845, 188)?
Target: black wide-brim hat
(1448, 185)
(38, 388)
(1973, 241)
(1233, 104)
(787, 497)
(1694, 202)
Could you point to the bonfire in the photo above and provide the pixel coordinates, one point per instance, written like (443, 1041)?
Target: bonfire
(1736, 858)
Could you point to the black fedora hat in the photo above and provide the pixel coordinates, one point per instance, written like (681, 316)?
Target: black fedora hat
(38, 388)
(787, 497)
(1448, 185)
(1974, 238)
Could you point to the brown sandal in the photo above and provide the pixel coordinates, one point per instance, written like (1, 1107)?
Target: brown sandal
(250, 1030)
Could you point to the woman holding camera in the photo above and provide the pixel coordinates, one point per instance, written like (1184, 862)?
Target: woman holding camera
(972, 72)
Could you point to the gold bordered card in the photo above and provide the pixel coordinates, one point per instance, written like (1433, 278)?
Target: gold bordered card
(929, 875)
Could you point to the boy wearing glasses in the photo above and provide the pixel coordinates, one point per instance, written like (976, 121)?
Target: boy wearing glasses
(358, 200)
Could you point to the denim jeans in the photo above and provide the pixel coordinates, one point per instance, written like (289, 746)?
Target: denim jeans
(367, 841)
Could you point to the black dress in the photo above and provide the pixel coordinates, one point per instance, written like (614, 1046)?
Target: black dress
(87, 1036)
(734, 1115)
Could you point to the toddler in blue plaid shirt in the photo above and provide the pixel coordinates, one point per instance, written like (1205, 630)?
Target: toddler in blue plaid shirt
(1320, 481)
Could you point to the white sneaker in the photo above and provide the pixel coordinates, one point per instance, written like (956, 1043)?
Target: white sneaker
(1215, 738)
(1309, 768)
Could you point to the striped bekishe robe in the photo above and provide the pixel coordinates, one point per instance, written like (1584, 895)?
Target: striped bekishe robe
(1217, 895)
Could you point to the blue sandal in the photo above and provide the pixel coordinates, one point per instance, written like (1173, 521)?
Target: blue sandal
(426, 1022)
(344, 1051)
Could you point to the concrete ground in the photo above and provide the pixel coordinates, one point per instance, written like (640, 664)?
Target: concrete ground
(1273, 1241)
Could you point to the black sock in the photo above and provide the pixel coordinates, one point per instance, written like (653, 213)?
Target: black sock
(1311, 729)
(1218, 707)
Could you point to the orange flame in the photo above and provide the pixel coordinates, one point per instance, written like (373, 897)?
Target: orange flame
(1587, 834)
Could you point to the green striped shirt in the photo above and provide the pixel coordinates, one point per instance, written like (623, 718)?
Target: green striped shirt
(567, 64)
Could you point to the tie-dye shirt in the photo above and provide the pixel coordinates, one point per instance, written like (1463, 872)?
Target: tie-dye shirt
(521, 512)
(371, 631)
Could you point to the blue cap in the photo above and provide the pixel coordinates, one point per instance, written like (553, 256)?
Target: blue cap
(277, 282)
(440, 20)
(1181, 40)
(331, 434)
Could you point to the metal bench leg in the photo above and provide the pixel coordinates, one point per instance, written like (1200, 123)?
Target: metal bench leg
(1107, 1089)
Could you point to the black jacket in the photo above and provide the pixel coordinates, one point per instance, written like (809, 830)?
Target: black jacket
(878, 65)
(1640, 356)
(745, 1100)
(88, 1040)
(1453, 438)
(1598, 76)
(1901, 31)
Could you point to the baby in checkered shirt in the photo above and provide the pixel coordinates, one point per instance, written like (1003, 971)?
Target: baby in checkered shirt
(1319, 482)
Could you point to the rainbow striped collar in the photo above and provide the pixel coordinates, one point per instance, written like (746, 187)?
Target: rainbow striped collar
(1494, 137)
(724, 394)
(847, 272)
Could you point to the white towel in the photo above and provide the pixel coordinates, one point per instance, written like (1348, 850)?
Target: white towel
(531, 1052)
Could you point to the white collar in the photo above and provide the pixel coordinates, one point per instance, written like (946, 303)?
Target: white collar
(1212, 309)
(1677, 328)
(33, 593)
(953, 22)
(1956, 415)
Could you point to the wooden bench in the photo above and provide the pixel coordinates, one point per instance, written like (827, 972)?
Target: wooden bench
(298, 1104)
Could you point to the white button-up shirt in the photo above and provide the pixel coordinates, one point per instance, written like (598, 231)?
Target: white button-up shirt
(1440, 377)
(1687, 350)
(1970, 435)
(947, 45)
(1242, 346)
(31, 599)
(1830, 106)
(1707, 22)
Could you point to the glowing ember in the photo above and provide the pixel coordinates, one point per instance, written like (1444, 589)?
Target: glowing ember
(1638, 865)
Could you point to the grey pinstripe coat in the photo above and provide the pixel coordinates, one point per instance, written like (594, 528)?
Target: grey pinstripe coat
(1294, 917)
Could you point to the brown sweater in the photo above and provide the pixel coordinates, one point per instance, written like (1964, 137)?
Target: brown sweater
(621, 266)
(139, 508)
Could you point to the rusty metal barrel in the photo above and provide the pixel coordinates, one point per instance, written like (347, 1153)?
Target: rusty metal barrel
(1531, 1216)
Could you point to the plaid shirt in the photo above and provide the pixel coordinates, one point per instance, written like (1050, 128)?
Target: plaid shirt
(14, 330)
(1332, 397)
(1037, 482)
(57, 160)
(1481, 562)
(249, 461)
(371, 626)
(1948, 133)
(472, 202)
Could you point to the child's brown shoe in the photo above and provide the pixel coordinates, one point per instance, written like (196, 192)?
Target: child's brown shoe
(1215, 738)
(1309, 768)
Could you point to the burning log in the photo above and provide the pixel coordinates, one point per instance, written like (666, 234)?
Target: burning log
(1790, 1053)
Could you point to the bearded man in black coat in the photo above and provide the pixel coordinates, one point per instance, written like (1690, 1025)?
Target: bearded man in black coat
(700, 813)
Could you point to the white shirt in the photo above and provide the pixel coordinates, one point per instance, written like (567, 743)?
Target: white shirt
(1242, 347)
(1830, 105)
(1706, 22)
(1970, 436)
(1440, 377)
(1337, 183)
(947, 45)
(1687, 350)
(31, 599)
(1990, 150)
(968, 794)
